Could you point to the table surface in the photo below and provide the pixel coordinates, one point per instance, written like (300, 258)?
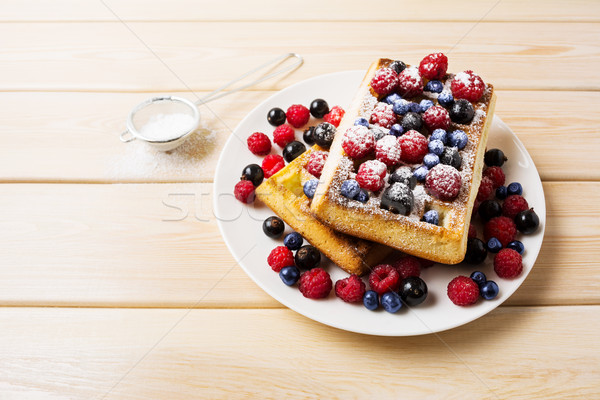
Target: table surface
(102, 297)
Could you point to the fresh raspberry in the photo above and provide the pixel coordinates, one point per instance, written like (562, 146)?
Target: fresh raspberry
(271, 164)
(513, 205)
(259, 144)
(508, 263)
(496, 175)
(486, 189)
(297, 115)
(335, 115)
(434, 66)
(244, 191)
(502, 228)
(383, 115)
(384, 81)
(463, 291)
(315, 283)
(472, 231)
(384, 278)
(388, 150)
(316, 162)
(467, 85)
(444, 182)
(413, 147)
(407, 266)
(351, 289)
(280, 257)
(370, 175)
(410, 82)
(358, 141)
(436, 117)
(283, 135)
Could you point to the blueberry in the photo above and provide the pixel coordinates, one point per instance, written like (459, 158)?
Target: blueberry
(323, 134)
(446, 99)
(494, 158)
(276, 116)
(425, 105)
(403, 175)
(273, 227)
(396, 130)
(517, 246)
(307, 257)
(361, 121)
(293, 241)
(501, 193)
(392, 98)
(308, 136)
(391, 302)
(310, 187)
(400, 107)
(527, 221)
(431, 217)
(253, 173)
(413, 291)
(462, 112)
(413, 121)
(371, 300)
(397, 198)
(451, 157)
(292, 150)
(436, 147)
(494, 245)
(289, 275)
(378, 132)
(350, 188)
(398, 66)
(476, 251)
(421, 173)
(439, 134)
(318, 108)
(458, 139)
(362, 196)
(489, 290)
(414, 107)
(514, 188)
(434, 86)
(431, 160)
(489, 209)
(478, 277)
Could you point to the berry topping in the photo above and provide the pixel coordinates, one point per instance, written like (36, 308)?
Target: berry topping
(259, 144)
(413, 291)
(458, 139)
(410, 82)
(253, 173)
(271, 164)
(462, 112)
(289, 275)
(467, 85)
(444, 182)
(434, 66)
(371, 300)
(517, 246)
(407, 266)
(280, 257)
(489, 290)
(439, 134)
(276, 116)
(398, 66)
(501, 193)
(494, 158)
(318, 108)
(315, 284)
(450, 156)
(486, 188)
(316, 162)
(493, 245)
(387, 150)
(391, 302)
(435, 146)
(361, 121)
(502, 228)
(420, 173)
(358, 141)
(496, 175)
(283, 135)
(446, 99)
(425, 105)
(472, 231)
(297, 115)
(436, 118)
(513, 205)
(384, 81)
(292, 150)
(351, 289)
(527, 221)
(476, 251)
(384, 278)
(508, 264)
(350, 189)
(479, 277)
(463, 291)
(383, 115)
(392, 98)
(293, 241)
(413, 147)
(308, 136)
(273, 227)
(370, 175)
(307, 257)
(334, 116)
(434, 86)
(310, 187)
(362, 196)
(431, 217)
(403, 175)
(401, 107)
(489, 209)
(412, 121)
(514, 188)
(323, 134)
(397, 198)
(244, 191)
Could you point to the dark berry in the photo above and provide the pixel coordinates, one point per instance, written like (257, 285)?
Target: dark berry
(489, 290)
(403, 175)
(318, 108)
(307, 257)
(292, 150)
(293, 241)
(310, 188)
(308, 136)
(350, 188)
(527, 221)
(489, 209)
(398, 66)
(514, 188)
(362, 196)
(479, 277)
(431, 217)
(517, 246)
(361, 121)
(253, 173)
(413, 291)
(494, 158)
(371, 300)
(434, 86)
(494, 245)
(476, 251)
(273, 227)
(462, 112)
(412, 121)
(446, 99)
(420, 173)
(501, 193)
(397, 198)
(289, 275)
(391, 99)
(391, 302)
(450, 156)
(276, 116)
(323, 134)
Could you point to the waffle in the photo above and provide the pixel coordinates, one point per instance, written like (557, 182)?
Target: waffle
(445, 242)
(283, 193)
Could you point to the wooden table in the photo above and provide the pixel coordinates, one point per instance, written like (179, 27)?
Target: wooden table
(103, 298)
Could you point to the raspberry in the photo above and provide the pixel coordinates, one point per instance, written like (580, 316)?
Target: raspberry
(486, 188)
(408, 266)
(383, 115)
(358, 141)
(434, 66)
(283, 135)
(467, 85)
(387, 150)
(436, 117)
(316, 162)
(280, 257)
(443, 181)
(502, 228)
(508, 263)
(259, 144)
(463, 291)
(513, 205)
(472, 231)
(244, 191)
(413, 147)
(410, 82)
(425, 263)
(384, 278)
(351, 289)
(271, 164)
(297, 115)
(335, 115)
(315, 283)
(370, 175)
(496, 175)
(384, 81)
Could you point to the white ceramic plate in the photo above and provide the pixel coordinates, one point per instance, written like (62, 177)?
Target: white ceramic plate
(241, 226)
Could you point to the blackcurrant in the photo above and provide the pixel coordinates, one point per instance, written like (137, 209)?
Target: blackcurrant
(308, 136)
(494, 158)
(462, 112)
(273, 227)
(398, 66)
(489, 209)
(527, 221)
(323, 134)
(476, 251)
(276, 116)
(318, 108)
(253, 173)
(413, 291)
(412, 121)
(307, 257)
(292, 150)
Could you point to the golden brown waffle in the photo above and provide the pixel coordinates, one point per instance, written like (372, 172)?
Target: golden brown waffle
(446, 242)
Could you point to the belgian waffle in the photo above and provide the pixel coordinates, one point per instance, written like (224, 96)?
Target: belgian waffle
(445, 242)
